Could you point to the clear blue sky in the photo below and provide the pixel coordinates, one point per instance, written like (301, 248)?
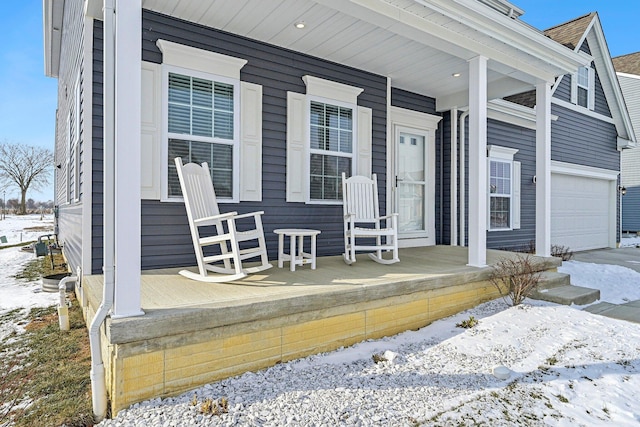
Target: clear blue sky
(28, 98)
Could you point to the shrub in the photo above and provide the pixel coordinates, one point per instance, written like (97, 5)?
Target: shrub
(468, 323)
(515, 278)
(561, 252)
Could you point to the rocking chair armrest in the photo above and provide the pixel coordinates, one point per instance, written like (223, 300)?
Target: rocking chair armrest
(250, 214)
(388, 216)
(349, 216)
(220, 217)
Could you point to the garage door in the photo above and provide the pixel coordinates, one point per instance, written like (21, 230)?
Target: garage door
(580, 212)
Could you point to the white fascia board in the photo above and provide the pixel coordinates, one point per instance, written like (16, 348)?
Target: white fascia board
(610, 83)
(582, 110)
(516, 114)
(52, 16)
(495, 89)
(624, 144)
(513, 32)
(93, 9)
(553, 59)
(584, 171)
(630, 76)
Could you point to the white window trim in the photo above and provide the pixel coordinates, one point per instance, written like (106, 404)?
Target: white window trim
(68, 157)
(76, 143)
(164, 183)
(309, 150)
(505, 155)
(591, 88)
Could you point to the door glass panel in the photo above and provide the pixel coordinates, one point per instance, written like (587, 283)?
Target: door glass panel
(411, 182)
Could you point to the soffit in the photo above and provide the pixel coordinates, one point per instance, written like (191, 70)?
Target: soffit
(52, 16)
(418, 47)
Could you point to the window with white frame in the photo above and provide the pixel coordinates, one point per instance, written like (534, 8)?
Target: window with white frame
(328, 133)
(583, 87)
(331, 143)
(73, 145)
(499, 194)
(504, 188)
(202, 126)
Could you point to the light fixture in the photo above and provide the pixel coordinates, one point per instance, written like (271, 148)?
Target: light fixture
(456, 74)
(300, 25)
(622, 190)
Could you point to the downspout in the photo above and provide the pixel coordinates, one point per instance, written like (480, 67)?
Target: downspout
(454, 177)
(441, 228)
(63, 309)
(463, 179)
(98, 384)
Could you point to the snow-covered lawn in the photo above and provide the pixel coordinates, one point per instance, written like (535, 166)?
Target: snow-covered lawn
(20, 294)
(568, 367)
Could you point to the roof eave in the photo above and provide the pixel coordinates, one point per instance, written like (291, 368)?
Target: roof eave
(521, 35)
(624, 124)
(52, 19)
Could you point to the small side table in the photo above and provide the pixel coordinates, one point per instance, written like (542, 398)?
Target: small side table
(300, 257)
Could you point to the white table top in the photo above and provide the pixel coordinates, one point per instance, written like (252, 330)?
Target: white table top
(296, 231)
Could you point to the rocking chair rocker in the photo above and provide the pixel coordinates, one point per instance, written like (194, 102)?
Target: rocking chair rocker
(204, 217)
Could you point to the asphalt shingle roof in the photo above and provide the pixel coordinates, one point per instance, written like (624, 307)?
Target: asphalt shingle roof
(629, 63)
(570, 33)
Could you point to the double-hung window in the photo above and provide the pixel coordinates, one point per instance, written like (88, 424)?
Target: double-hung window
(583, 87)
(504, 189)
(331, 143)
(328, 133)
(499, 194)
(202, 112)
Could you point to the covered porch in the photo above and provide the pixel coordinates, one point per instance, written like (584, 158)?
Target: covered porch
(193, 333)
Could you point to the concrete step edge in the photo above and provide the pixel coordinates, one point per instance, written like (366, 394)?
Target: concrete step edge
(568, 295)
(552, 279)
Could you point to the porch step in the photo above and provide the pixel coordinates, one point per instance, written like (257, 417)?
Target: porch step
(550, 279)
(568, 295)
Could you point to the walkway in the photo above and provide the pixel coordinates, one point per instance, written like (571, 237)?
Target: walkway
(625, 257)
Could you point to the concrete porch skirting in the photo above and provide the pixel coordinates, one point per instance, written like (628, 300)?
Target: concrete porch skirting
(195, 333)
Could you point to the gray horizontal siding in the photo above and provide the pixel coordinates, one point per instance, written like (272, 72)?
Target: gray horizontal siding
(601, 105)
(165, 234)
(583, 140)
(631, 90)
(631, 209)
(70, 234)
(97, 157)
(524, 140)
(563, 91)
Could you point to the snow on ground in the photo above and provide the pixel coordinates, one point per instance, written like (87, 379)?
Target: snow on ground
(630, 242)
(568, 367)
(617, 284)
(20, 294)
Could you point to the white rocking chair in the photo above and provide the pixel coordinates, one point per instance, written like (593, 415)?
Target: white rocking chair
(360, 206)
(202, 211)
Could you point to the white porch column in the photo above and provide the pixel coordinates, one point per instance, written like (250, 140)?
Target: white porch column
(478, 161)
(543, 169)
(128, 73)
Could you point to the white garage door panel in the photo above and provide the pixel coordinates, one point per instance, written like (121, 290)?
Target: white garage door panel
(580, 212)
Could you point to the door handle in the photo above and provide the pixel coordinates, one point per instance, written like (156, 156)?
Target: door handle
(398, 180)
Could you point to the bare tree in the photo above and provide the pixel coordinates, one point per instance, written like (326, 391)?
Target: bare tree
(25, 166)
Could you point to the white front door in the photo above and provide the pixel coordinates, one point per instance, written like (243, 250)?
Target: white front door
(413, 176)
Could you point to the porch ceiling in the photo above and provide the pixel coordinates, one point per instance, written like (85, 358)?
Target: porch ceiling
(418, 44)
